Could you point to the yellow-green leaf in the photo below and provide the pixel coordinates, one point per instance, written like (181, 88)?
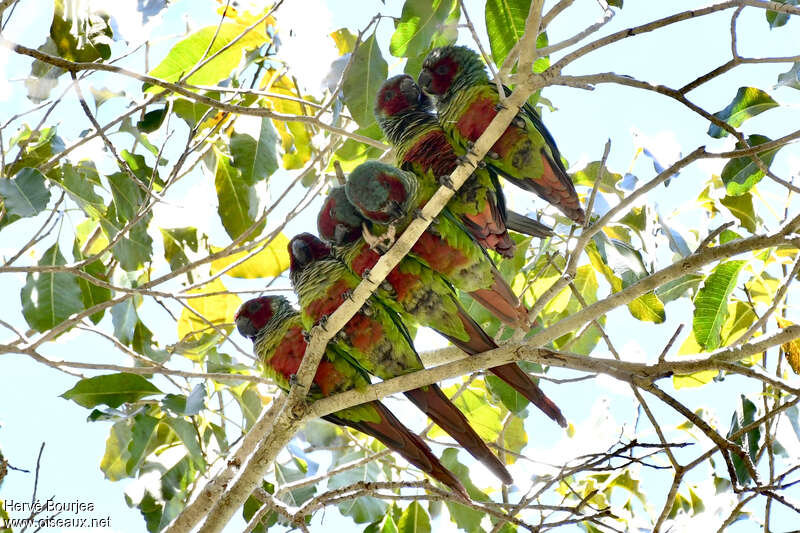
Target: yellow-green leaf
(711, 303)
(792, 348)
(266, 263)
(216, 308)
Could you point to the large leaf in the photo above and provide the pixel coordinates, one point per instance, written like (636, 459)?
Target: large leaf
(142, 433)
(505, 23)
(711, 303)
(747, 103)
(266, 263)
(295, 136)
(418, 22)
(49, 298)
(238, 202)
(216, 308)
(116, 454)
(190, 51)
(740, 174)
(79, 182)
(256, 159)
(588, 175)
(112, 390)
(484, 417)
(676, 288)
(414, 520)
(466, 518)
(24, 195)
(367, 73)
(136, 247)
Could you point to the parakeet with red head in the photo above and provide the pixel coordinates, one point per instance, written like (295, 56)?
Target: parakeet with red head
(404, 114)
(389, 198)
(421, 293)
(374, 339)
(525, 154)
(278, 338)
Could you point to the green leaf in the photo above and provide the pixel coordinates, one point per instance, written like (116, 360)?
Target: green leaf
(484, 417)
(256, 159)
(418, 22)
(386, 525)
(352, 153)
(672, 290)
(741, 207)
(175, 239)
(777, 19)
(747, 103)
(790, 78)
(711, 303)
(110, 389)
(142, 433)
(49, 298)
(138, 165)
(188, 435)
(136, 247)
(505, 24)
(744, 416)
(84, 38)
(152, 120)
(79, 183)
(615, 3)
(182, 405)
(92, 294)
(465, 518)
(238, 202)
(511, 399)
(124, 318)
(288, 473)
(103, 95)
(183, 57)
(367, 73)
(740, 174)
(24, 195)
(414, 520)
(190, 111)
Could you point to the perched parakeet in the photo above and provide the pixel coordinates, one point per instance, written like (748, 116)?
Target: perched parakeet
(278, 338)
(404, 114)
(389, 198)
(374, 339)
(526, 153)
(421, 293)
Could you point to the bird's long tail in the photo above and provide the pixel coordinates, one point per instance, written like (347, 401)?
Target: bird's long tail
(489, 229)
(526, 225)
(501, 301)
(395, 436)
(479, 341)
(432, 401)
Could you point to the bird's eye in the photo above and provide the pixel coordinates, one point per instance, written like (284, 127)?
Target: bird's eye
(442, 69)
(388, 95)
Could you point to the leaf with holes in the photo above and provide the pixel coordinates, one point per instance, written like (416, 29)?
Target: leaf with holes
(711, 303)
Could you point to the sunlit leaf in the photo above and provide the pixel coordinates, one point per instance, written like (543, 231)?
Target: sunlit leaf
(344, 39)
(711, 303)
(678, 287)
(185, 55)
(590, 173)
(418, 22)
(414, 519)
(142, 433)
(295, 136)
(741, 207)
(484, 417)
(238, 202)
(790, 349)
(505, 23)
(740, 174)
(266, 263)
(80, 35)
(216, 308)
(116, 454)
(698, 379)
(747, 103)
(175, 240)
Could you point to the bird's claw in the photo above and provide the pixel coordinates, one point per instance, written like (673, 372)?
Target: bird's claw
(492, 155)
(347, 294)
(500, 106)
(419, 214)
(306, 336)
(382, 243)
(446, 181)
(322, 321)
(519, 122)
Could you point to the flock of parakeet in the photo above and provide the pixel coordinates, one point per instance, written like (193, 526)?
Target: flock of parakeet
(431, 126)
